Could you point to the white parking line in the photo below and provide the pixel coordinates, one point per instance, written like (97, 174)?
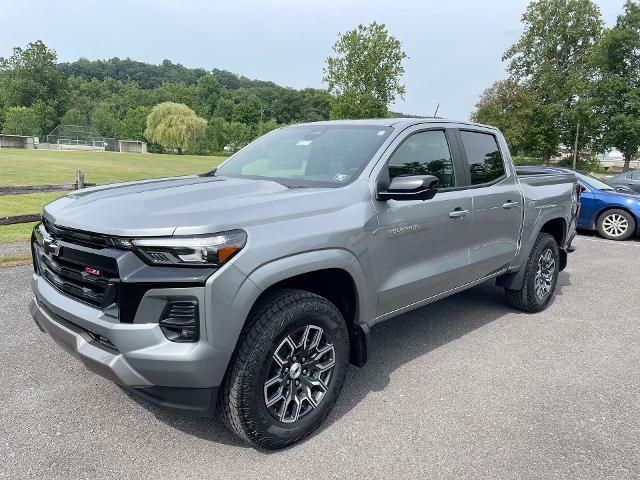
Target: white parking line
(622, 243)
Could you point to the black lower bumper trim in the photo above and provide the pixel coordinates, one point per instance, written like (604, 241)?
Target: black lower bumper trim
(198, 402)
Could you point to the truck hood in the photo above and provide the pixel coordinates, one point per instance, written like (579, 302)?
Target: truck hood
(185, 206)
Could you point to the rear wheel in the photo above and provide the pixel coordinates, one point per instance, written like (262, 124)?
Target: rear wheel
(616, 224)
(288, 369)
(540, 278)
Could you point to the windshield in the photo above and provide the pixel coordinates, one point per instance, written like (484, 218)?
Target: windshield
(593, 181)
(329, 155)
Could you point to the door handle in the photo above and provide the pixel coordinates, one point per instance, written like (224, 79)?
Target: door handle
(509, 205)
(459, 213)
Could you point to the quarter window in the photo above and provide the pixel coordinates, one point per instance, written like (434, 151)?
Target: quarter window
(483, 156)
(424, 153)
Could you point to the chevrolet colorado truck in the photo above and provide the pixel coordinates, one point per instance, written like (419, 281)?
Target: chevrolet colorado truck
(249, 289)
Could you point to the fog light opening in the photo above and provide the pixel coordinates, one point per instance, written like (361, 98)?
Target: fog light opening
(180, 321)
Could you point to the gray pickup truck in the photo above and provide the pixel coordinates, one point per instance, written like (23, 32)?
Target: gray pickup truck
(249, 289)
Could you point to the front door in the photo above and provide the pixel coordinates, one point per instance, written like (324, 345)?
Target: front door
(420, 248)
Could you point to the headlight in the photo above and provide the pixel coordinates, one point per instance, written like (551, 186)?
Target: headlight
(202, 250)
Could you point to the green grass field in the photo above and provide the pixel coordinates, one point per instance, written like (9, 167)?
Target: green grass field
(31, 167)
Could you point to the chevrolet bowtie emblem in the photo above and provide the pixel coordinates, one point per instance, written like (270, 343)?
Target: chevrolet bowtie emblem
(51, 247)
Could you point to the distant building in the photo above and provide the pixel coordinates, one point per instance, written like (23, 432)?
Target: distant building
(18, 141)
(614, 160)
(132, 146)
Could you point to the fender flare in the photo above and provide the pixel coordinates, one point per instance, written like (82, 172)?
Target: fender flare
(515, 280)
(265, 276)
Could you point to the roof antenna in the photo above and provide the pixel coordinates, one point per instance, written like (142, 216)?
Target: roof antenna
(436, 112)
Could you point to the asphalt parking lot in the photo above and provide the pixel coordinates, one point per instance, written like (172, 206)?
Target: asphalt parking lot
(463, 388)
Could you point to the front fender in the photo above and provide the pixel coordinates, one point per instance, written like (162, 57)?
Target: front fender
(281, 269)
(234, 293)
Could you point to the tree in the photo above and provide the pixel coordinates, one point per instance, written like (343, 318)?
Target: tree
(21, 121)
(507, 106)
(238, 135)
(29, 77)
(104, 120)
(207, 92)
(248, 110)
(133, 124)
(178, 92)
(316, 105)
(174, 125)
(216, 135)
(616, 94)
(75, 116)
(265, 127)
(365, 73)
(224, 109)
(552, 62)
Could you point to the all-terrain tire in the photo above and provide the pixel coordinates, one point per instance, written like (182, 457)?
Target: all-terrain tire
(272, 323)
(540, 276)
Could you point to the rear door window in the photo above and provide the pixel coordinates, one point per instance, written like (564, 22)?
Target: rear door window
(483, 157)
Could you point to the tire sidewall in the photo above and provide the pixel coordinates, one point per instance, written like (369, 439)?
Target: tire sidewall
(630, 221)
(314, 311)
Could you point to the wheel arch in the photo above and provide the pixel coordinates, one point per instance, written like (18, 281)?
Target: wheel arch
(332, 274)
(556, 226)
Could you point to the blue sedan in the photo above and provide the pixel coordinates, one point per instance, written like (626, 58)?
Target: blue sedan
(613, 214)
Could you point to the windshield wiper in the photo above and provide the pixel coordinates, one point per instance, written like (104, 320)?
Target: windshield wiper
(212, 173)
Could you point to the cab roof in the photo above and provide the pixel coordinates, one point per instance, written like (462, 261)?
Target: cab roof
(398, 123)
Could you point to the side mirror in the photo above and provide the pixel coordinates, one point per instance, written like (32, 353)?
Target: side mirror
(413, 187)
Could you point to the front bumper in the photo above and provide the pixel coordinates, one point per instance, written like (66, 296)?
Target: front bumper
(179, 376)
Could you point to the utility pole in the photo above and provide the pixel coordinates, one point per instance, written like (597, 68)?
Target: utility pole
(575, 147)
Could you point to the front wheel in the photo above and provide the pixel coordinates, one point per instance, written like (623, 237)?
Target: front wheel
(288, 369)
(540, 276)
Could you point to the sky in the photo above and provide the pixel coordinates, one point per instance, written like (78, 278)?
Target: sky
(454, 46)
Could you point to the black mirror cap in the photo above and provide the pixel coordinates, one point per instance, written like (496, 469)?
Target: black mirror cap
(410, 187)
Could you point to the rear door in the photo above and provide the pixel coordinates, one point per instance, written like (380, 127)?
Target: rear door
(497, 201)
(420, 249)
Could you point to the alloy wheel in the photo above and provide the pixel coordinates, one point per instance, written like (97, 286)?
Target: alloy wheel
(299, 374)
(544, 273)
(615, 225)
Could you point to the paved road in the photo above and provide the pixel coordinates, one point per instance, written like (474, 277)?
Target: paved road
(465, 388)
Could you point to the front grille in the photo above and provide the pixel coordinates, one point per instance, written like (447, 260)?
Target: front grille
(77, 237)
(79, 273)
